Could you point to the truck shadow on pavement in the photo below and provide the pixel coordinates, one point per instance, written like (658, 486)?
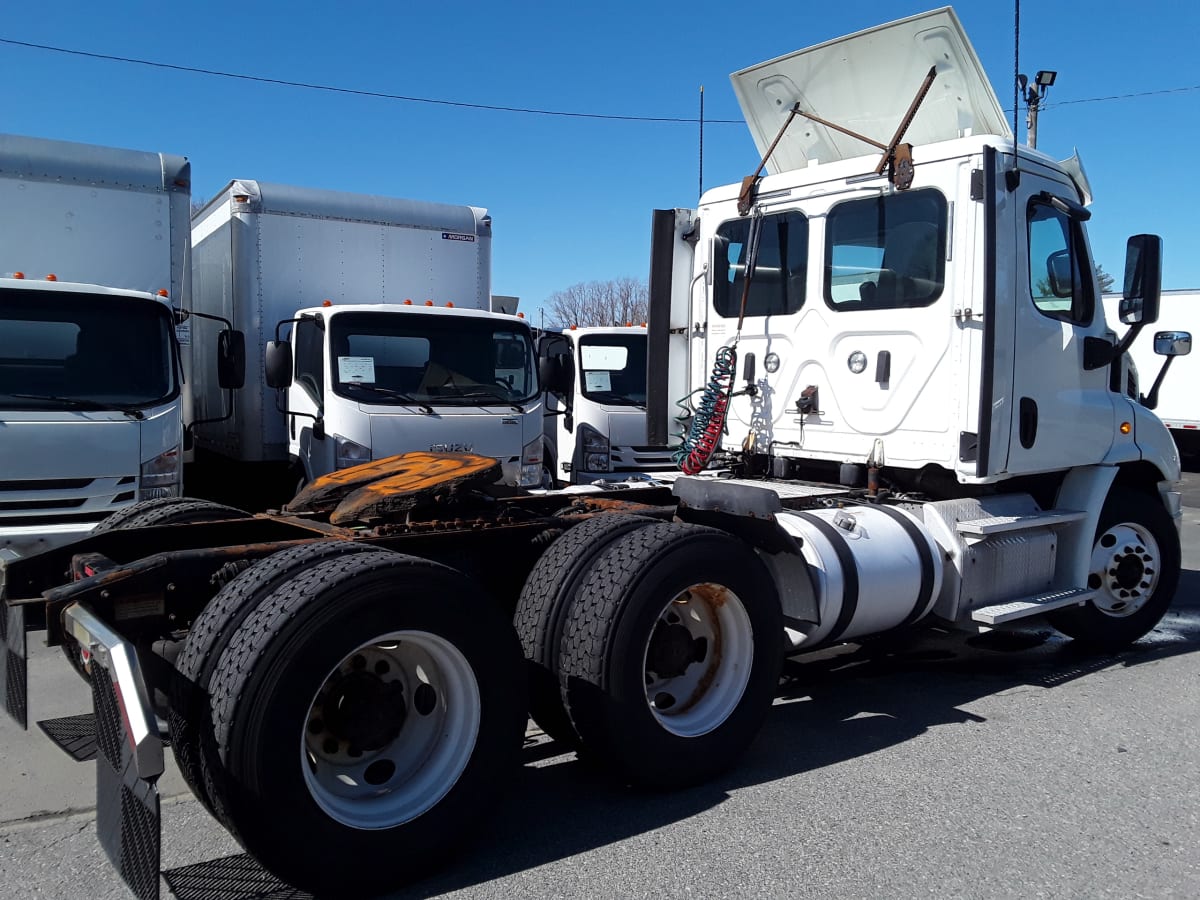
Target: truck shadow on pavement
(830, 708)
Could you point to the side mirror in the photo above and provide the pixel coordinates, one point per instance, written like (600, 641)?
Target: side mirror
(1143, 280)
(555, 374)
(231, 359)
(1058, 272)
(279, 364)
(1173, 343)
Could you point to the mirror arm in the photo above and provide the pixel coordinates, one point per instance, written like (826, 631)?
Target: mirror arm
(1150, 400)
(1098, 353)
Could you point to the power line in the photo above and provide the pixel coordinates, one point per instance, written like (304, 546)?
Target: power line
(359, 92)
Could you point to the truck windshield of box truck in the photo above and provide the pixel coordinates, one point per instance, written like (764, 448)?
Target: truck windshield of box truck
(93, 351)
(394, 359)
(612, 368)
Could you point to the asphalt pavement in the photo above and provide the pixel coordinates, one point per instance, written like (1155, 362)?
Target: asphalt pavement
(999, 765)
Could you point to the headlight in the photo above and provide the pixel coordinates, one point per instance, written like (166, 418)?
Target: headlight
(159, 477)
(350, 453)
(595, 449)
(531, 463)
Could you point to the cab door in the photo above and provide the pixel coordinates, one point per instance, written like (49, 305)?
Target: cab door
(1062, 413)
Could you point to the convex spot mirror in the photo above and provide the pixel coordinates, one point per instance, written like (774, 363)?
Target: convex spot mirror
(279, 364)
(1173, 343)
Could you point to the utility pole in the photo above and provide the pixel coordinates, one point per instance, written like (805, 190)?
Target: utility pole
(1033, 95)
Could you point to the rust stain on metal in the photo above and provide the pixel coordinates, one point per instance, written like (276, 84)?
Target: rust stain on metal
(417, 479)
(713, 596)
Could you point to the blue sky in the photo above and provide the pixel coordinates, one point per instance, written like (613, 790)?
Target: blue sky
(571, 197)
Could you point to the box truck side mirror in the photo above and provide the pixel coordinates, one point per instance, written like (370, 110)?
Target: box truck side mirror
(555, 374)
(231, 359)
(279, 364)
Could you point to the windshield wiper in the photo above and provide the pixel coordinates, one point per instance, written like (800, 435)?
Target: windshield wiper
(476, 393)
(388, 392)
(80, 403)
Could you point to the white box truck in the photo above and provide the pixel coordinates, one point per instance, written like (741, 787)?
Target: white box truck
(931, 432)
(93, 265)
(392, 345)
(1176, 401)
(595, 422)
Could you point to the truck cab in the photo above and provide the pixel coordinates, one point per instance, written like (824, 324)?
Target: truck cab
(363, 382)
(595, 423)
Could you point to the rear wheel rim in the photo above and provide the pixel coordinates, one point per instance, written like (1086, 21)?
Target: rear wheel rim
(390, 730)
(1126, 568)
(697, 659)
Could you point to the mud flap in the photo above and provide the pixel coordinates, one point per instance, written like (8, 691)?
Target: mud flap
(127, 806)
(14, 667)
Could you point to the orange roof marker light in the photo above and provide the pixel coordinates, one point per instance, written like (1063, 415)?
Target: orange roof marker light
(18, 274)
(408, 303)
(429, 303)
(450, 304)
(52, 277)
(520, 315)
(163, 292)
(327, 303)
(574, 327)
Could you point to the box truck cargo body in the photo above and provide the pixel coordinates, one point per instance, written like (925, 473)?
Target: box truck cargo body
(288, 262)
(93, 263)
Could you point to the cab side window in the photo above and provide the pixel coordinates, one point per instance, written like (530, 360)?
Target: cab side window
(1058, 262)
(310, 359)
(780, 269)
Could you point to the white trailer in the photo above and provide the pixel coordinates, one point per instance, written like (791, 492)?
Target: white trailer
(378, 295)
(595, 426)
(93, 265)
(934, 430)
(1176, 401)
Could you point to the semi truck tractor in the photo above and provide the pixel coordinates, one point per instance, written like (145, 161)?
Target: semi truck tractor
(368, 333)
(895, 423)
(595, 424)
(93, 266)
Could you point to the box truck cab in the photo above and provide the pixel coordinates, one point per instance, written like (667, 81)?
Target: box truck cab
(365, 300)
(367, 381)
(93, 249)
(595, 422)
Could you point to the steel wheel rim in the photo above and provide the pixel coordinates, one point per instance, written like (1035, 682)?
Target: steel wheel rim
(412, 699)
(697, 659)
(1125, 570)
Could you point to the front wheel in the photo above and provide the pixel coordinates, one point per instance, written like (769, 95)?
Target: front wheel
(1134, 571)
(367, 714)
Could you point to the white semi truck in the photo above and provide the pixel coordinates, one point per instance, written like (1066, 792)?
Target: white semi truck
(595, 425)
(1175, 401)
(93, 266)
(927, 434)
(390, 347)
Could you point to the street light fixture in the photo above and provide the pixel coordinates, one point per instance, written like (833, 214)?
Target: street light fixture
(1033, 94)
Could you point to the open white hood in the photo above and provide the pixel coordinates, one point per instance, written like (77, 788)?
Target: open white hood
(865, 82)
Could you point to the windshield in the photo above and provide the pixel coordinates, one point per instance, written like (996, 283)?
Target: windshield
(612, 368)
(404, 358)
(84, 351)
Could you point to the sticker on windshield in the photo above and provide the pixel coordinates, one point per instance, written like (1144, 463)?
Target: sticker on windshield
(356, 369)
(597, 381)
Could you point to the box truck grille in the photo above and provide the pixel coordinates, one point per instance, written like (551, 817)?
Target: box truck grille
(642, 459)
(56, 501)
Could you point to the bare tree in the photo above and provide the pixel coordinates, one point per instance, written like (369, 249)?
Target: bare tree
(615, 302)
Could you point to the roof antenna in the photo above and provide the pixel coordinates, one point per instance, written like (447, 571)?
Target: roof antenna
(1012, 177)
(897, 157)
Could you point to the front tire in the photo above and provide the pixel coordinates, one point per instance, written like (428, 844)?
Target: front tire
(1134, 569)
(367, 715)
(671, 654)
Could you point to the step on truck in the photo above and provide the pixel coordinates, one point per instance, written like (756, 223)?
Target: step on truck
(595, 422)
(368, 333)
(930, 432)
(93, 268)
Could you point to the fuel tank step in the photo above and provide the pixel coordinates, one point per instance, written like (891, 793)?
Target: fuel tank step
(981, 528)
(1000, 613)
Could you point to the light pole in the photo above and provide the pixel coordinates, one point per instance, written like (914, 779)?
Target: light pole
(1033, 94)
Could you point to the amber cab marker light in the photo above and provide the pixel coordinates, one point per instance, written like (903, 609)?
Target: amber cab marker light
(18, 274)
(163, 292)
(52, 277)
(327, 303)
(429, 303)
(1126, 428)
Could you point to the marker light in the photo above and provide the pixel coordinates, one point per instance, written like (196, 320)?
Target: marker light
(520, 315)
(574, 327)
(429, 303)
(52, 277)
(163, 292)
(18, 274)
(408, 303)
(449, 304)
(327, 303)
(1126, 428)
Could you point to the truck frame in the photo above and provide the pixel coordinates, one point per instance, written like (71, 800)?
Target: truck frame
(345, 683)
